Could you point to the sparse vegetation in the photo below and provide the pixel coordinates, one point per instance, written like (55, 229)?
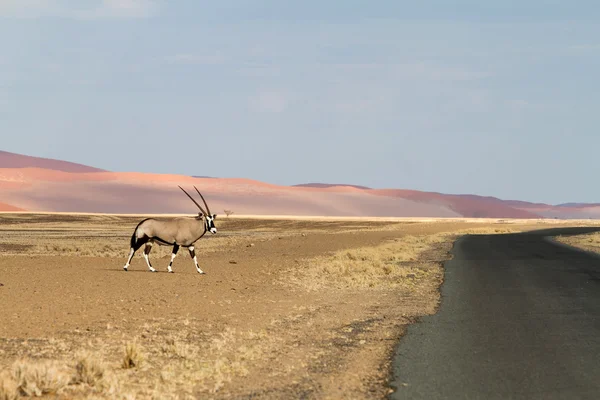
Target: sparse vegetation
(35, 379)
(90, 371)
(42, 378)
(242, 337)
(588, 242)
(8, 387)
(228, 212)
(401, 262)
(133, 356)
(393, 264)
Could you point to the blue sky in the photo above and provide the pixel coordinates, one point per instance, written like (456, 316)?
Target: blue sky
(492, 98)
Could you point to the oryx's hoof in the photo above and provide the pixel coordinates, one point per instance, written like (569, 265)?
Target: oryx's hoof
(202, 272)
(125, 269)
(171, 272)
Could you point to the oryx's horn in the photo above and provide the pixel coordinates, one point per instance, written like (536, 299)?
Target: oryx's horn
(195, 202)
(207, 209)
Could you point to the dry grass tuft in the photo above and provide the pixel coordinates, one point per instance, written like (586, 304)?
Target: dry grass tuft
(133, 356)
(393, 264)
(8, 387)
(39, 378)
(90, 371)
(44, 378)
(176, 349)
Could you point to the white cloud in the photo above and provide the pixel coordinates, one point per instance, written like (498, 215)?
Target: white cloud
(269, 101)
(79, 9)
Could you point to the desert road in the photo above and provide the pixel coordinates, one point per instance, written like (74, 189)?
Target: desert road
(519, 319)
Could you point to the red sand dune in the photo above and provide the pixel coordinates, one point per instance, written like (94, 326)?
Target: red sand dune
(329, 185)
(8, 207)
(68, 187)
(43, 190)
(13, 160)
(466, 205)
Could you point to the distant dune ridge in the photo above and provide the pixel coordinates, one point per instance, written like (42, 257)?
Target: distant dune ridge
(328, 185)
(38, 184)
(12, 160)
(8, 207)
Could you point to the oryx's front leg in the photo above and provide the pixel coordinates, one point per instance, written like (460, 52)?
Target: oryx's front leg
(175, 250)
(146, 253)
(193, 255)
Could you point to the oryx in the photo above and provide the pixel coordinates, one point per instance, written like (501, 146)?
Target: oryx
(176, 232)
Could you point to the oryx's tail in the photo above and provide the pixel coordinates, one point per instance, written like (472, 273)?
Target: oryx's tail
(134, 236)
(133, 239)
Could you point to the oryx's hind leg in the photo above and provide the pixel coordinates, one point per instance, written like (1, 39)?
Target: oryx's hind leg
(193, 255)
(175, 250)
(147, 250)
(131, 253)
(135, 245)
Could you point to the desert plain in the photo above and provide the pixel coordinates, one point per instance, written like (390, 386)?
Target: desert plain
(289, 307)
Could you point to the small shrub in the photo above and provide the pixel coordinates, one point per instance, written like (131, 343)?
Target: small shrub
(133, 356)
(39, 379)
(89, 371)
(8, 388)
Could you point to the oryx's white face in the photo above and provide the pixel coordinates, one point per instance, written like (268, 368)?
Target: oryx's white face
(210, 223)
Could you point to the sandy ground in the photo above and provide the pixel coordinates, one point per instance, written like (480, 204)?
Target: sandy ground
(588, 242)
(287, 309)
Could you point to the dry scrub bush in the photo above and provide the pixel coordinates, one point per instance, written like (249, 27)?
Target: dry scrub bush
(92, 372)
(39, 378)
(43, 378)
(89, 371)
(133, 356)
(8, 387)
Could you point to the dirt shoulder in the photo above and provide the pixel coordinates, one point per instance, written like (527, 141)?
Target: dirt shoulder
(588, 242)
(287, 309)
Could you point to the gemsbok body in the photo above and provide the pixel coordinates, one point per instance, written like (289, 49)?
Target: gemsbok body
(176, 232)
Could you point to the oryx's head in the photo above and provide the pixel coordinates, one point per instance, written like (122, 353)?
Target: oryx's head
(206, 216)
(210, 223)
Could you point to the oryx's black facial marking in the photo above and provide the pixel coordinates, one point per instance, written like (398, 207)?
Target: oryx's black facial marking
(210, 223)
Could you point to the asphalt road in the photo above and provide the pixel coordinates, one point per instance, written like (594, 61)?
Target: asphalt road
(519, 319)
